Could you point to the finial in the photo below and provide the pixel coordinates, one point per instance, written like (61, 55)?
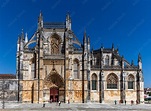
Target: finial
(85, 39)
(18, 41)
(139, 57)
(40, 13)
(68, 16)
(22, 31)
(40, 16)
(26, 37)
(88, 40)
(22, 34)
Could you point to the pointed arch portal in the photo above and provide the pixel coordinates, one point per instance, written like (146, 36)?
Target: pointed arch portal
(54, 82)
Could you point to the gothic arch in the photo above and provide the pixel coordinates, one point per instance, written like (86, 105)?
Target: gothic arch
(94, 81)
(107, 60)
(76, 68)
(112, 81)
(55, 42)
(54, 80)
(131, 77)
(131, 80)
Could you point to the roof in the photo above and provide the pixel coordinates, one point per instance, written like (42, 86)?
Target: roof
(106, 50)
(52, 25)
(7, 76)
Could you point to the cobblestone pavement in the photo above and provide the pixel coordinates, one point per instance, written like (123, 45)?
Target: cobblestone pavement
(74, 107)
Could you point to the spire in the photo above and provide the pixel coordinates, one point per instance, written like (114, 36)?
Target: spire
(22, 35)
(112, 46)
(132, 63)
(40, 20)
(40, 16)
(88, 44)
(88, 40)
(85, 46)
(18, 41)
(26, 38)
(68, 21)
(139, 62)
(68, 16)
(85, 37)
(139, 57)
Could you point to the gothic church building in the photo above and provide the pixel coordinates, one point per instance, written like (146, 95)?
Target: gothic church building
(54, 65)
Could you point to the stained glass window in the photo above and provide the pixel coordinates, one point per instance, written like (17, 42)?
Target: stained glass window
(112, 81)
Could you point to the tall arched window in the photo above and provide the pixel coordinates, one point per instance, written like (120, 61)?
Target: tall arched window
(112, 81)
(130, 82)
(76, 68)
(55, 44)
(107, 60)
(94, 82)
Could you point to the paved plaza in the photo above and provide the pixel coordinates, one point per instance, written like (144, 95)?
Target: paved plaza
(75, 107)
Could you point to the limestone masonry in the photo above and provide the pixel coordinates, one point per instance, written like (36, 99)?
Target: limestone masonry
(54, 65)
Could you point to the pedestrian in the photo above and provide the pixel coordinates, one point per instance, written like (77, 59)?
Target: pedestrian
(59, 102)
(43, 105)
(115, 102)
(125, 102)
(119, 101)
(68, 101)
(136, 102)
(131, 102)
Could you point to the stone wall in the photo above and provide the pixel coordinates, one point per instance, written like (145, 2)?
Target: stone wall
(8, 89)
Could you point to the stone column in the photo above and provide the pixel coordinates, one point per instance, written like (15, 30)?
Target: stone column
(102, 86)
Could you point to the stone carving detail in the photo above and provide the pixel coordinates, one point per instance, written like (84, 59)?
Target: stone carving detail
(54, 80)
(55, 44)
(130, 78)
(112, 79)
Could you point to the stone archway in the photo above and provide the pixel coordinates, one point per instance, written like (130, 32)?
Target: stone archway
(55, 84)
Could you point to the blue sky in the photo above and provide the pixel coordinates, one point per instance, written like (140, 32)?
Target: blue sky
(126, 23)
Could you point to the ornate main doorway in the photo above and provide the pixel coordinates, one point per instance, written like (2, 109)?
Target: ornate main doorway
(54, 94)
(54, 83)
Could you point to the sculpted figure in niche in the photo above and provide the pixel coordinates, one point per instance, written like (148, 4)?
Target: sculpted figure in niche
(55, 44)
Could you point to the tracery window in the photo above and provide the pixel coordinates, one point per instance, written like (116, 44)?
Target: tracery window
(94, 82)
(76, 68)
(112, 81)
(107, 60)
(130, 82)
(55, 44)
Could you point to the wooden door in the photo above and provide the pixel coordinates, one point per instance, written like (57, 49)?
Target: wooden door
(54, 94)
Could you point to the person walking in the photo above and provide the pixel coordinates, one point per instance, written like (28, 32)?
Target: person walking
(59, 102)
(125, 102)
(115, 102)
(68, 101)
(131, 102)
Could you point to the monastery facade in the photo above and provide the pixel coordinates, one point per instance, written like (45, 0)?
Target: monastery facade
(54, 65)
